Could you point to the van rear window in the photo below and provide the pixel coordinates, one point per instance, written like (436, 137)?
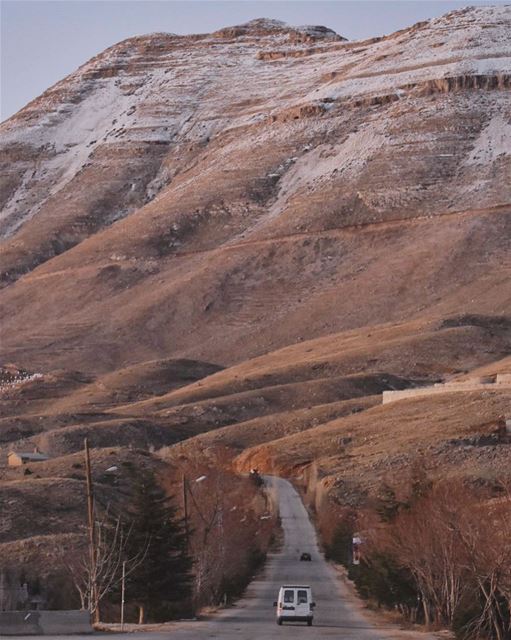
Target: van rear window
(289, 595)
(302, 596)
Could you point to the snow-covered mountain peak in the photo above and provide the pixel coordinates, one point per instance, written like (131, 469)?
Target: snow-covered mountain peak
(261, 27)
(174, 96)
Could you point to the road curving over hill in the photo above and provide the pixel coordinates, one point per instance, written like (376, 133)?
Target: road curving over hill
(336, 614)
(254, 615)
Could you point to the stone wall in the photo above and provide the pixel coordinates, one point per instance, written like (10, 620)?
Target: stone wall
(503, 382)
(32, 623)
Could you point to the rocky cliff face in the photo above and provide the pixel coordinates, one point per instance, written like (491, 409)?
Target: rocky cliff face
(218, 196)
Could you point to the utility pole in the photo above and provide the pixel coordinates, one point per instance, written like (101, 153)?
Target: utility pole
(92, 534)
(123, 584)
(185, 510)
(221, 529)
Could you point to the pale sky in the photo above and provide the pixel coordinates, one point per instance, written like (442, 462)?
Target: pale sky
(42, 41)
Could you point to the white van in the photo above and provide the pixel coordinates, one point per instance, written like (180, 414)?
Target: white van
(295, 604)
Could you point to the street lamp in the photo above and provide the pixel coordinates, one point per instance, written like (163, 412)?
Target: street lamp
(187, 489)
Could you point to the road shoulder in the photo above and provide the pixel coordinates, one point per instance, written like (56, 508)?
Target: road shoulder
(382, 620)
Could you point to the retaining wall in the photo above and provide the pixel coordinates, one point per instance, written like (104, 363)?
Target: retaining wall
(33, 623)
(392, 396)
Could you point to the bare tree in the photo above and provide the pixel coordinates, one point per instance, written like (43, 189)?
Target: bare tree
(485, 533)
(208, 553)
(231, 520)
(95, 577)
(426, 541)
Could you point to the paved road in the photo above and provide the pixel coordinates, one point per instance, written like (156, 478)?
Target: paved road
(254, 616)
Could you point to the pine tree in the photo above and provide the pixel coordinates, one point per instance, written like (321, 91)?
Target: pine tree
(387, 505)
(164, 576)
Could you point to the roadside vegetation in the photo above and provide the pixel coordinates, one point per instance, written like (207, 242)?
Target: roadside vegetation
(232, 523)
(177, 563)
(439, 555)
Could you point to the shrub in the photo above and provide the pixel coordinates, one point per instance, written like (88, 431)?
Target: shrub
(339, 550)
(382, 580)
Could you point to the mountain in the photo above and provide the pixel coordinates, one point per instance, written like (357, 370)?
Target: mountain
(219, 196)
(225, 247)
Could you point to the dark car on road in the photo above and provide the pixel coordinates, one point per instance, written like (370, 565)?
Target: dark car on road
(305, 557)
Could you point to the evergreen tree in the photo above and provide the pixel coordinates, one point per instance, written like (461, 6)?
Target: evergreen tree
(380, 578)
(387, 505)
(340, 548)
(420, 481)
(164, 576)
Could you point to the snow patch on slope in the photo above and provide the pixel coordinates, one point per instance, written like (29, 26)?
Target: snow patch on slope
(493, 142)
(346, 158)
(320, 165)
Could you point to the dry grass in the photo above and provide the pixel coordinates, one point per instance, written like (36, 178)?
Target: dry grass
(356, 453)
